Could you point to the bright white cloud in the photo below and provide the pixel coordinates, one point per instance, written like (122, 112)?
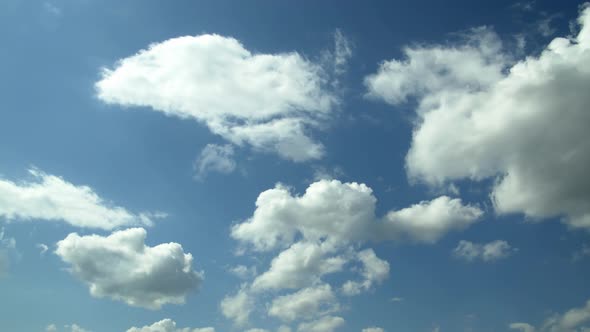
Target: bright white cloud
(52, 198)
(524, 123)
(238, 307)
(343, 213)
(267, 101)
(374, 270)
(215, 158)
(487, 252)
(301, 265)
(122, 267)
(573, 320)
(324, 324)
(168, 325)
(307, 303)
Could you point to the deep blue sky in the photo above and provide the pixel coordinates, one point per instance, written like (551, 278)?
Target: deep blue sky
(51, 118)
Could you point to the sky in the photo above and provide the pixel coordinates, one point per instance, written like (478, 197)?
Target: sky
(303, 166)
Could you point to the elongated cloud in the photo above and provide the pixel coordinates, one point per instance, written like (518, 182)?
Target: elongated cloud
(267, 101)
(344, 213)
(122, 267)
(168, 325)
(481, 116)
(52, 198)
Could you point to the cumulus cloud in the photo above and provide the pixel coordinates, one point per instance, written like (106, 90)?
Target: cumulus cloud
(122, 267)
(344, 213)
(243, 272)
(486, 252)
(307, 303)
(238, 307)
(215, 158)
(374, 270)
(168, 325)
(573, 320)
(52, 198)
(324, 324)
(301, 265)
(523, 123)
(267, 101)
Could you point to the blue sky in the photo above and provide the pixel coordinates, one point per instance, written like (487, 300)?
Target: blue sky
(294, 166)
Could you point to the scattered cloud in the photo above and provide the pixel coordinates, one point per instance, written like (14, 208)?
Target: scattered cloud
(573, 320)
(324, 324)
(375, 270)
(168, 325)
(42, 248)
(522, 123)
(122, 267)
(243, 272)
(397, 299)
(269, 102)
(52, 198)
(307, 303)
(373, 329)
(215, 158)
(486, 252)
(238, 307)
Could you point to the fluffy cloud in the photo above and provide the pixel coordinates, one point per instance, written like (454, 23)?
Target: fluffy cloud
(487, 252)
(67, 328)
(324, 324)
(121, 266)
(343, 213)
(301, 265)
(307, 303)
(374, 270)
(524, 123)
(238, 307)
(52, 198)
(268, 101)
(573, 320)
(168, 325)
(215, 158)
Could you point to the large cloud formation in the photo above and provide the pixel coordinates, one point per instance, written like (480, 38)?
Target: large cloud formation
(344, 213)
(121, 266)
(481, 115)
(267, 101)
(322, 232)
(52, 198)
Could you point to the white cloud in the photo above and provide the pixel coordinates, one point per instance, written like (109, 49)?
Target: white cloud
(284, 328)
(573, 320)
(51, 327)
(522, 327)
(238, 307)
(524, 124)
(52, 198)
(373, 329)
(343, 213)
(324, 324)
(7, 247)
(256, 330)
(243, 272)
(375, 270)
(301, 265)
(215, 158)
(397, 299)
(122, 267)
(307, 303)
(168, 325)
(268, 101)
(487, 252)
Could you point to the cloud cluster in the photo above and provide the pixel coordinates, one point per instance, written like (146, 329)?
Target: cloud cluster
(319, 233)
(122, 267)
(52, 198)
(168, 325)
(215, 158)
(486, 252)
(523, 123)
(267, 101)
